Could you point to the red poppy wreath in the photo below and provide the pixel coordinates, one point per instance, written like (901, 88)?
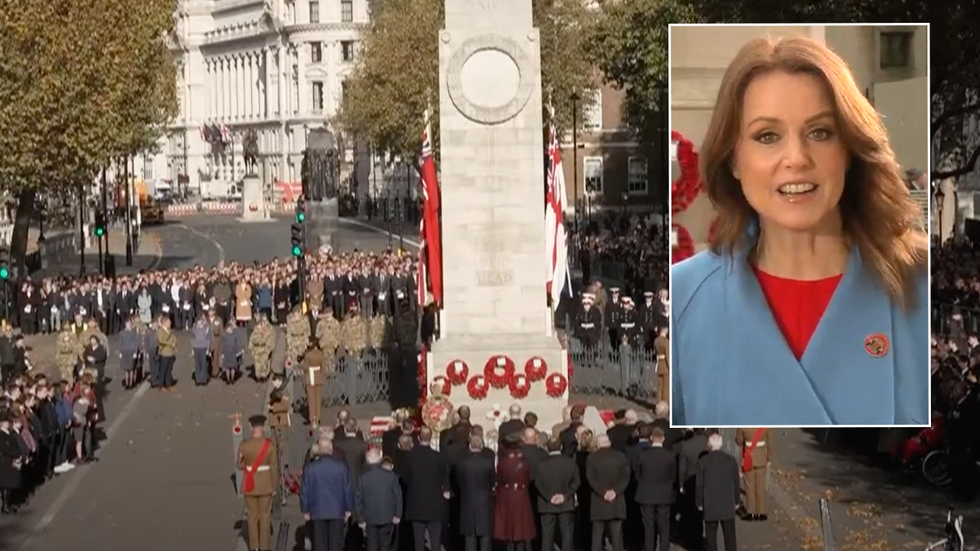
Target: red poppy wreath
(519, 385)
(457, 372)
(535, 369)
(498, 371)
(477, 387)
(556, 384)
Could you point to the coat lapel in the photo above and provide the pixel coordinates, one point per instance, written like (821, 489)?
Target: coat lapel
(836, 361)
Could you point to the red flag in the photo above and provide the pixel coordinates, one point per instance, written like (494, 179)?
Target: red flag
(430, 250)
(556, 247)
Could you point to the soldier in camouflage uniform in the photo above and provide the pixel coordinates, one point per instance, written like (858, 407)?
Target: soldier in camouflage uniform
(354, 331)
(380, 331)
(217, 331)
(261, 343)
(66, 354)
(297, 335)
(328, 334)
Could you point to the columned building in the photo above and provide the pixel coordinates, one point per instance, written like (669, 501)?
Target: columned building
(277, 67)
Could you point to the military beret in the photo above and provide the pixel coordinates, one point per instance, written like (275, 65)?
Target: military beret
(648, 293)
(614, 289)
(257, 420)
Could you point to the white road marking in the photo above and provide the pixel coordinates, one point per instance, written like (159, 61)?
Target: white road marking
(76, 479)
(365, 225)
(202, 235)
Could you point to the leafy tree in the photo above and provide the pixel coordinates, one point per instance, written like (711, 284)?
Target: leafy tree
(82, 78)
(397, 75)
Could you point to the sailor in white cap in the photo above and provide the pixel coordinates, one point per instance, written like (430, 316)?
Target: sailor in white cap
(614, 314)
(649, 316)
(588, 322)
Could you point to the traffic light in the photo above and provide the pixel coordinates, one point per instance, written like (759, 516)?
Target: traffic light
(99, 223)
(298, 230)
(4, 264)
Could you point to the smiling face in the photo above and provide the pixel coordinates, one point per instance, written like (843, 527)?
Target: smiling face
(790, 158)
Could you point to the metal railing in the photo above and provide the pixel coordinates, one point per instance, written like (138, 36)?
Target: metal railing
(624, 370)
(942, 318)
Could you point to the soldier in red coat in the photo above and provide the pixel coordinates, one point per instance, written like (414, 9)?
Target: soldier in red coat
(513, 519)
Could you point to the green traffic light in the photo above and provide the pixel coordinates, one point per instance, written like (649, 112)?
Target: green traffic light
(301, 217)
(4, 273)
(297, 251)
(99, 232)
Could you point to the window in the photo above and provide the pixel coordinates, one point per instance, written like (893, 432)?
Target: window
(314, 11)
(895, 50)
(637, 182)
(347, 11)
(593, 174)
(316, 52)
(592, 110)
(347, 50)
(317, 96)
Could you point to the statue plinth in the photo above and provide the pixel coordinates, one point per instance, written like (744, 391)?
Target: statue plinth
(253, 200)
(321, 221)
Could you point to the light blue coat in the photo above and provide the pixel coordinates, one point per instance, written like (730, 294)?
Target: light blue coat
(731, 364)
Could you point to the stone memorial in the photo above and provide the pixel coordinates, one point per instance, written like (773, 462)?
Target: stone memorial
(495, 317)
(253, 194)
(320, 174)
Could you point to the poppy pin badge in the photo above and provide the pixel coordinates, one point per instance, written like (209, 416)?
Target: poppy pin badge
(876, 345)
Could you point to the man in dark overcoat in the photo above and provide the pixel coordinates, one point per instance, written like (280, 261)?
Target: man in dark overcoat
(608, 474)
(476, 477)
(378, 503)
(717, 494)
(427, 485)
(556, 481)
(656, 476)
(689, 451)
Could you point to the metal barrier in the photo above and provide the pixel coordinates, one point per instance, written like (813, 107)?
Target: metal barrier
(942, 318)
(54, 247)
(606, 369)
(826, 526)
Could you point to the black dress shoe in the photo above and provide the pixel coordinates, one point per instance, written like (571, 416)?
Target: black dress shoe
(762, 517)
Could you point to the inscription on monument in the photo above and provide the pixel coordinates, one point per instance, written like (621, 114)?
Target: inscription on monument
(488, 5)
(495, 267)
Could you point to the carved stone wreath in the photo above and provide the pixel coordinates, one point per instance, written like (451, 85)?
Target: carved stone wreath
(481, 113)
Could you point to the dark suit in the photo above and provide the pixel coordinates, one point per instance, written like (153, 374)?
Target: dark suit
(426, 478)
(607, 469)
(557, 474)
(671, 435)
(378, 502)
(352, 449)
(717, 494)
(656, 475)
(620, 436)
(509, 427)
(476, 477)
(688, 453)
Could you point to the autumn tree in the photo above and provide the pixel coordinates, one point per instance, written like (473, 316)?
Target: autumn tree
(397, 75)
(81, 78)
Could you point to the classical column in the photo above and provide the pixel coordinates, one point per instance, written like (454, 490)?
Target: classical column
(252, 104)
(267, 83)
(236, 86)
(212, 90)
(219, 87)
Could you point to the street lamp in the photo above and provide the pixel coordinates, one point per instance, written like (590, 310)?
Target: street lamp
(939, 195)
(575, 99)
(388, 214)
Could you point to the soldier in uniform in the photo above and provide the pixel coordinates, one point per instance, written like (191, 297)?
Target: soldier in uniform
(756, 455)
(613, 313)
(314, 291)
(353, 331)
(379, 331)
(649, 319)
(328, 333)
(629, 333)
(297, 335)
(217, 330)
(243, 302)
(66, 355)
(151, 354)
(260, 344)
(588, 326)
(258, 460)
(222, 301)
(313, 375)
(661, 347)
(167, 343)
(278, 403)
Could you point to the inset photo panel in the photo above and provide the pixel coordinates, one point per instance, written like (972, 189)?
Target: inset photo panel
(800, 204)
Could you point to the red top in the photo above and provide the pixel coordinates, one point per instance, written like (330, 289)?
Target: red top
(797, 306)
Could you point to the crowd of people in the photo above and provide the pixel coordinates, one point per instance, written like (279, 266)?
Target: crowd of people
(637, 485)
(634, 247)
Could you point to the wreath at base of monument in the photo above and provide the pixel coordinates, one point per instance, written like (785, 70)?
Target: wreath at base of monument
(423, 378)
(477, 387)
(442, 380)
(535, 369)
(556, 384)
(499, 371)
(519, 385)
(457, 372)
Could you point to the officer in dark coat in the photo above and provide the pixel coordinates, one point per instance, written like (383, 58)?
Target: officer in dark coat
(556, 481)
(476, 477)
(427, 481)
(689, 451)
(717, 494)
(656, 475)
(588, 323)
(11, 461)
(608, 474)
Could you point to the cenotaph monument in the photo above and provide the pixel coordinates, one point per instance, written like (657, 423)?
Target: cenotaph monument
(495, 319)
(320, 173)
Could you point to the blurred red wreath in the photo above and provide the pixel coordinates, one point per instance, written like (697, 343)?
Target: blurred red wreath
(535, 369)
(519, 385)
(556, 384)
(477, 387)
(457, 372)
(447, 386)
(423, 377)
(686, 189)
(498, 371)
(685, 245)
